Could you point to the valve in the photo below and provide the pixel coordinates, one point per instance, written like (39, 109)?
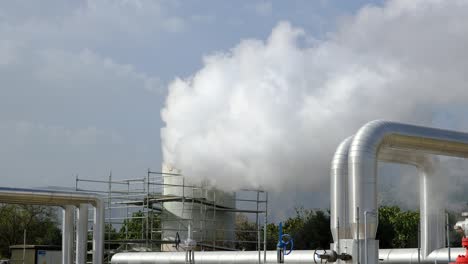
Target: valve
(284, 240)
(329, 256)
(324, 256)
(462, 227)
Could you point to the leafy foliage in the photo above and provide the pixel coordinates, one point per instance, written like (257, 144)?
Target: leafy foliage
(314, 232)
(309, 229)
(40, 223)
(397, 229)
(246, 233)
(134, 228)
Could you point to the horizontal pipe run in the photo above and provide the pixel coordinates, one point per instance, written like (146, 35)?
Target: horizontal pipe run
(389, 256)
(376, 135)
(68, 200)
(210, 257)
(45, 197)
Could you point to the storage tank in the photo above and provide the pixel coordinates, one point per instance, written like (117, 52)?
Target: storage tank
(209, 211)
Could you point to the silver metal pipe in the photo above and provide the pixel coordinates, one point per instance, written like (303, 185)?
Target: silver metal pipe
(339, 181)
(432, 235)
(376, 135)
(46, 197)
(390, 256)
(67, 234)
(366, 213)
(358, 244)
(419, 242)
(431, 213)
(211, 257)
(265, 228)
(62, 198)
(339, 215)
(448, 227)
(410, 255)
(98, 232)
(82, 234)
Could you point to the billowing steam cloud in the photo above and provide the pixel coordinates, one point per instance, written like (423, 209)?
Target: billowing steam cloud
(267, 113)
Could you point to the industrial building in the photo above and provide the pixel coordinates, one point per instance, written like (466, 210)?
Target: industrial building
(35, 254)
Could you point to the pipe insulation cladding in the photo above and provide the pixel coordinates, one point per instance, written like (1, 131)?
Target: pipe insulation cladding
(68, 200)
(362, 164)
(432, 222)
(212, 257)
(389, 256)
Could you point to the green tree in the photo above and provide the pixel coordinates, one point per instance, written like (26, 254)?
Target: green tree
(397, 228)
(135, 227)
(246, 233)
(272, 236)
(315, 232)
(386, 232)
(455, 237)
(310, 229)
(40, 223)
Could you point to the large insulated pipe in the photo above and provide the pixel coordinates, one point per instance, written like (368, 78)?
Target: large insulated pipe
(212, 257)
(363, 157)
(431, 213)
(432, 227)
(339, 215)
(61, 198)
(390, 256)
(82, 234)
(98, 232)
(67, 234)
(410, 255)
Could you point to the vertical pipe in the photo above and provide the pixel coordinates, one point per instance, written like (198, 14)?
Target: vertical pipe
(214, 220)
(98, 232)
(109, 208)
(339, 207)
(258, 231)
(127, 217)
(337, 248)
(67, 234)
(365, 236)
(82, 234)
(265, 228)
(419, 242)
(448, 235)
(357, 228)
(147, 208)
(183, 205)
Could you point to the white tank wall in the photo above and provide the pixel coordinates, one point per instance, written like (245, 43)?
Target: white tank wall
(203, 225)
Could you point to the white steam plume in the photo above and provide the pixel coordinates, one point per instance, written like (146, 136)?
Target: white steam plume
(272, 112)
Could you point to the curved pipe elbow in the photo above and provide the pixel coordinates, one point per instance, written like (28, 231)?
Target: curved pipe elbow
(376, 135)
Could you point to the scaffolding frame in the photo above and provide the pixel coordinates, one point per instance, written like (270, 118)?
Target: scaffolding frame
(142, 200)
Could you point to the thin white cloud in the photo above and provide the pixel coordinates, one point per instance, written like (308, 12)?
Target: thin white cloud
(263, 8)
(68, 104)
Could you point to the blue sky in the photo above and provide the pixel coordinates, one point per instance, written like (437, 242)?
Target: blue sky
(83, 83)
